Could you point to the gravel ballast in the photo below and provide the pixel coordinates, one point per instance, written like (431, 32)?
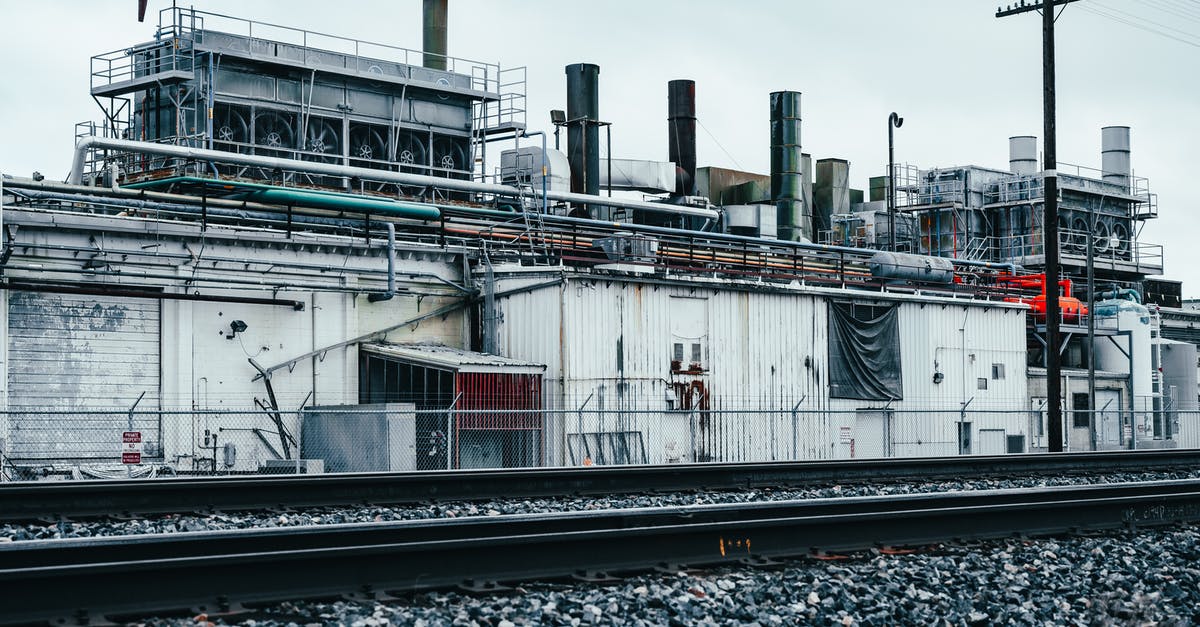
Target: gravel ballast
(364, 514)
(1143, 578)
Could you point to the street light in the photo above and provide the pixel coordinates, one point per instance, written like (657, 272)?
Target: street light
(894, 122)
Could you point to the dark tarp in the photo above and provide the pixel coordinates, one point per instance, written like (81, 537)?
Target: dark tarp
(864, 352)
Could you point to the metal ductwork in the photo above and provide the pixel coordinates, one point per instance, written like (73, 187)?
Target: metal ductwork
(583, 134)
(681, 132)
(1022, 154)
(793, 218)
(832, 194)
(1114, 154)
(434, 34)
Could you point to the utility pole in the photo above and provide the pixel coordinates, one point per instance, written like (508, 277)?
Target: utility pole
(1054, 428)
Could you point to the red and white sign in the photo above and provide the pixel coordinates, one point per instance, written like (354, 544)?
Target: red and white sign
(131, 447)
(844, 435)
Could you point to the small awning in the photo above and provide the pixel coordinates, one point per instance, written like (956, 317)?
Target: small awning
(454, 359)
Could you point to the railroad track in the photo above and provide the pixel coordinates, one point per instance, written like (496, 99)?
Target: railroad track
(84, 499)
(85, 579)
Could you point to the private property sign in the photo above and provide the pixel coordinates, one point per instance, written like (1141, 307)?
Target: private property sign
(131, 447)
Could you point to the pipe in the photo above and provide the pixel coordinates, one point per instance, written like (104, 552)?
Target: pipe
(330, 169)
(151, 205)
(865, 253)
(67, 288)
(545, 167)
(1127, 294)
(391, 275)
(681, 134)
(433, 39)
(317, 199)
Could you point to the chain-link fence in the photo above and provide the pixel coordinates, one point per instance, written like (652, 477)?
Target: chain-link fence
(399, 437)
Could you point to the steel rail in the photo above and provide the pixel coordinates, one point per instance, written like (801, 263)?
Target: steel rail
(89, 578)
(81, 499)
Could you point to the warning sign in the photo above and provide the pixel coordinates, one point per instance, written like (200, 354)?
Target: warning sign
(131, 447)
(844, 435)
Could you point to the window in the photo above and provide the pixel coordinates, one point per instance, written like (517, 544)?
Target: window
(997, 371)
(696, 356)
(981, 383)
(678, 354)
(1081, 414)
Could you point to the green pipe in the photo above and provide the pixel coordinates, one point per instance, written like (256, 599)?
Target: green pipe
(317, 199)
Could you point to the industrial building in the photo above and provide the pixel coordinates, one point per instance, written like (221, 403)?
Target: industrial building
(288, 246)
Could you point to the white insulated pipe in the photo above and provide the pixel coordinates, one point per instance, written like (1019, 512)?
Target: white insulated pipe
(331, 169)
(1022, 154)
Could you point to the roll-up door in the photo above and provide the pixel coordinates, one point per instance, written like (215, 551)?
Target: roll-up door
(76, 364)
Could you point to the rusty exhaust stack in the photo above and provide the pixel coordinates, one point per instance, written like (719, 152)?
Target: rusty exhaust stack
(434, 34)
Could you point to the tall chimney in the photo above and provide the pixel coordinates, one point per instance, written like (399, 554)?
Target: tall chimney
(681, 133)
(434, 34)
(1114, 154)
(1022, 154)
(583, 134)
(793, 219)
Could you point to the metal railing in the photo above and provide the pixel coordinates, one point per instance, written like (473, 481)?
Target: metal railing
(399, 437)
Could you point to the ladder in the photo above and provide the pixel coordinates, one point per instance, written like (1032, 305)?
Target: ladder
(976, 248)
(535, 227)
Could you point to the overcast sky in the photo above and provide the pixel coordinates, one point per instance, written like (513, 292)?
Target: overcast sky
(963, 80)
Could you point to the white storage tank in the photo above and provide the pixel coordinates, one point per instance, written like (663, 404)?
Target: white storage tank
(1116, 355)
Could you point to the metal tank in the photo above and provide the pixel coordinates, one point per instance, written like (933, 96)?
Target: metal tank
(909, 267)
(1114, 154)
(1178, 360)
(1022, 154)
(787, 167)
(1132, 347)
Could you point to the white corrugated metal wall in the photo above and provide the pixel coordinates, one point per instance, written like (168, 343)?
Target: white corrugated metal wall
(79, 352)
(609, 343)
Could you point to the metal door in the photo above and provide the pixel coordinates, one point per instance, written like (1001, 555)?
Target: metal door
(993, 442)
(78, 353)
(872, 433)
(1108, 418)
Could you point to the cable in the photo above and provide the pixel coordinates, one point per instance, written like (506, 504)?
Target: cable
(1132, 16)
(713, 137)
(1136, 25)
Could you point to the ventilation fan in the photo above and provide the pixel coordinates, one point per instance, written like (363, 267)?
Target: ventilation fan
(411, 153)
(1100, 239)
(1121, 234)
(275, 132)
(449, 157)
(323, 141)
(368, 146)
(231, 128)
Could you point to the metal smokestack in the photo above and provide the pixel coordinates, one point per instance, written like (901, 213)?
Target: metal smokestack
(583, 134)
(1114, 154)
(681, 132)
(1022, 154)
(434, 34)
(787, 168)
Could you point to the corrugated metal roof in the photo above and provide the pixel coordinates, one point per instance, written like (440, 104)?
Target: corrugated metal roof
(448, 358)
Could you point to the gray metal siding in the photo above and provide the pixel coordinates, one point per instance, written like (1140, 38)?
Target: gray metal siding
(71, 352)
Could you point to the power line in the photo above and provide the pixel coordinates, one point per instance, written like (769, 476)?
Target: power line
(1140, 23)
(1135, 17)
